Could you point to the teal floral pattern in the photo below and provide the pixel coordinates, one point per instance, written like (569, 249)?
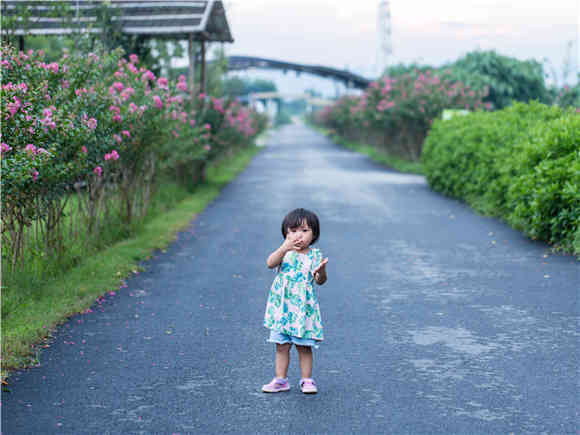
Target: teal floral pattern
(292, 306)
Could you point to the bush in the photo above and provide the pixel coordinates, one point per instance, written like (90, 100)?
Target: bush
(544, 196)
(521, 163)
(105, 125)
(396, 113)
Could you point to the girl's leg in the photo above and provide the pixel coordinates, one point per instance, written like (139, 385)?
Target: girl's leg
(282, 359)
(305, 355)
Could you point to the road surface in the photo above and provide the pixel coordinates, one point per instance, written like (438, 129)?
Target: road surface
(437, 320)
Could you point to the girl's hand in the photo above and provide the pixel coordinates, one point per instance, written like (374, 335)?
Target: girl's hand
(320, 272)
(289, 243)
(321, 267)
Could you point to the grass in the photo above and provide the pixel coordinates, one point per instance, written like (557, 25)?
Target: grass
(39, 265)
(381, 157)
(47, 305)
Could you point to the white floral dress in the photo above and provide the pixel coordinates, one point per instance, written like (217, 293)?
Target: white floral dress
(292, 306)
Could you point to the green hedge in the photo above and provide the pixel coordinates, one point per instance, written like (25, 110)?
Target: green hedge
(521, 164)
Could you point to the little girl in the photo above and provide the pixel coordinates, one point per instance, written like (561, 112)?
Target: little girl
(292, 311)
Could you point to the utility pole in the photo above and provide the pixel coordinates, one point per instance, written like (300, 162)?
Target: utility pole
(385, 43)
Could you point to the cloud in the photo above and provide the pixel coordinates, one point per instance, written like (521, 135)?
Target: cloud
(343, 33)
(455, 24)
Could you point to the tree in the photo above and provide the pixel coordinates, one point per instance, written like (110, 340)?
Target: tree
(507, 78)
(234, 86)
(401, 69)
(260, 85)
(237, 86)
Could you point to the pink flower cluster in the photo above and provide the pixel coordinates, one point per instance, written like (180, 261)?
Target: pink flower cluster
(47, 119)
(163, 83)
(218, 104)
(91, 123)
(116, 87)
(32, 150)
(5, 147)
(158, 101)
(54, 67)
(116, 113)
(113, 155)
(240, 119)
(384, 105)
(23, 87)
(14, 106)
(82, 91)
(95, 58)
(181, 84)
(148, 76)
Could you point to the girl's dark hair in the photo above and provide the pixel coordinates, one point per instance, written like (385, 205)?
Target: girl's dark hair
(295, 218)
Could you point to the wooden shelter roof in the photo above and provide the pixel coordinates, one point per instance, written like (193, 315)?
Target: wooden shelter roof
(204, 19)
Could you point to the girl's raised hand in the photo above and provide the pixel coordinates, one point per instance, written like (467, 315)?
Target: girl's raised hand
(321, 266)
(289, 243)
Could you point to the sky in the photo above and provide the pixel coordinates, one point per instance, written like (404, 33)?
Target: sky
(343, 34)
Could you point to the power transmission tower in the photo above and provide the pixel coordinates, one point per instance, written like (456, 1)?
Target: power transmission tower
(385, 43)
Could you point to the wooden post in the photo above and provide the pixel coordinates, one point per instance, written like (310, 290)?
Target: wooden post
(21, 43)
(202, 81)
(192, 53)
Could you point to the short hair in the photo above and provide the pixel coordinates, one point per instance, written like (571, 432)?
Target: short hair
(295, 218)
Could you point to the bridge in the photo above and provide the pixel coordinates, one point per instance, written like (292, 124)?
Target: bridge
(349, 79)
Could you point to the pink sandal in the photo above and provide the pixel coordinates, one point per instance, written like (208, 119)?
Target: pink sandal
(308, 386)
(276, 385)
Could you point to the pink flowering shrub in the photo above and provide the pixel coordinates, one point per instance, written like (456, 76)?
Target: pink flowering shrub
(96, 120)
(204, 130)
(41, 131)
(396, 113)
(230, 124)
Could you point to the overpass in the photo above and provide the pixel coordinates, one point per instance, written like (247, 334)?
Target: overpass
(350, 80)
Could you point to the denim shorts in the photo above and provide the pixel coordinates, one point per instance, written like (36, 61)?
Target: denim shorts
(279, 338)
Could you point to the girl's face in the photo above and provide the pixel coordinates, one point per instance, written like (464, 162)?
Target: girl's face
(302, 235)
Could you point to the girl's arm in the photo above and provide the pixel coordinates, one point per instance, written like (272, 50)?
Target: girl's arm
(276, 257)
(320, 272)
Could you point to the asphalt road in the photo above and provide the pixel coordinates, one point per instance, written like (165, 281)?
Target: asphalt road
(437, 320)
